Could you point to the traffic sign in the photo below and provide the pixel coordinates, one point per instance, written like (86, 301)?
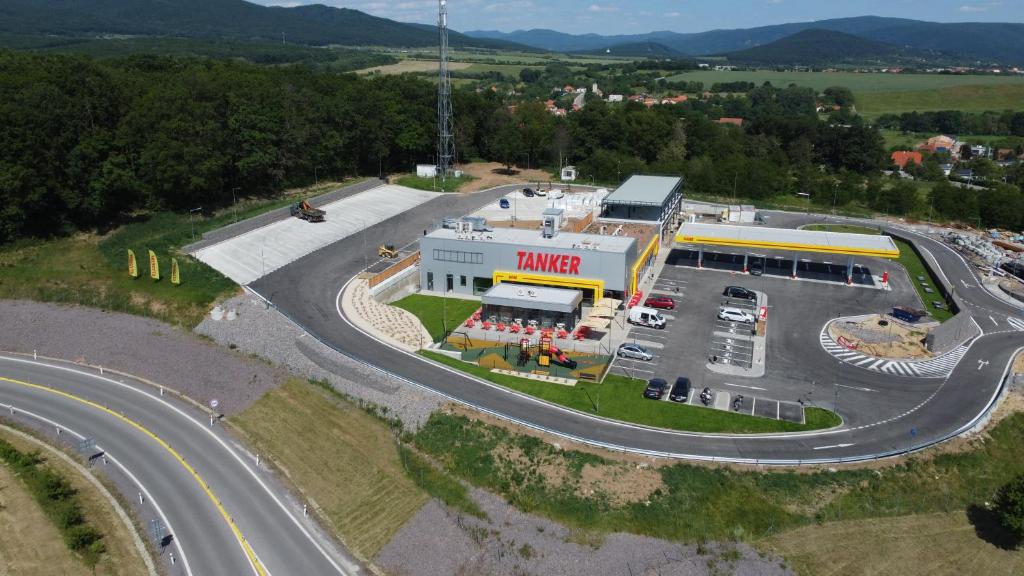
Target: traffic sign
(214, 403)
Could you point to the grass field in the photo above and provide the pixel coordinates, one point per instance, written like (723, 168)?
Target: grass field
(908, 259)
(36, 547)
(436, 312)
(860, 83)
(408, 65)
(92, 270)
(340, 457)
(934, 544)
(621, 398)
(966, 98)
(434, 184)
(693, 502)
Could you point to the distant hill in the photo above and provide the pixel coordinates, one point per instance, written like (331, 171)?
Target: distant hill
(989, 42)
(637, 49)
(816, 47)
(238, 20)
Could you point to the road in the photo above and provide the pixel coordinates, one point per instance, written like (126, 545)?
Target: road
(226, 515)
(923, 411)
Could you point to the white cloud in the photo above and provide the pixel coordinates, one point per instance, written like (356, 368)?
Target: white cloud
(973, 8)
(600, 8)
(673, 14)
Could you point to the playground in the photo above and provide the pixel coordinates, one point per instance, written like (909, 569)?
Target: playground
(536, 355)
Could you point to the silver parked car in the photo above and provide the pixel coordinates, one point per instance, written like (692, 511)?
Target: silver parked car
(731, 314)
(635, 351)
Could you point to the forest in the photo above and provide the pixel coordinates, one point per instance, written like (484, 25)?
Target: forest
(87, 142)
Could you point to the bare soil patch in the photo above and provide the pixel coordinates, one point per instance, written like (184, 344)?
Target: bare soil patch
(491, 174)
(412, 66)
(893, 340)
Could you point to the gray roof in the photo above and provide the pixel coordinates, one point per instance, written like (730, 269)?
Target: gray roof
(649, 190)
(533, 238)
(535, 297)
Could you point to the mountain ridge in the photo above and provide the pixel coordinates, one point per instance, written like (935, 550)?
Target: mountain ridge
(999, 42)
(312, 25)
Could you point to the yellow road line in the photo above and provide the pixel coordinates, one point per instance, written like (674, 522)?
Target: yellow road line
(195, 475)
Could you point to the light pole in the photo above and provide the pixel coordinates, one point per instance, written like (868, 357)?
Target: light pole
(835, 196)
(234, 201)
(191, 223)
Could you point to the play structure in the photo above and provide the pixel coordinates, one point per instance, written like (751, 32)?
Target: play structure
(547, 353)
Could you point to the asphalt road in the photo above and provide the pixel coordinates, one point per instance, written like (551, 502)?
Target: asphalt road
(904, 413)
(226, 483)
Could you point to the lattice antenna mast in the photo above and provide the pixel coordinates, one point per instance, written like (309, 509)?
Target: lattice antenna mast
(445, 144)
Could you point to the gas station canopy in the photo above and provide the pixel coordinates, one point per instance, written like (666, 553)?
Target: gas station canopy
(759, 237)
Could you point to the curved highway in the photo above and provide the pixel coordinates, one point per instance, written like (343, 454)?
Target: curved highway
(223, 514)
(914, 413)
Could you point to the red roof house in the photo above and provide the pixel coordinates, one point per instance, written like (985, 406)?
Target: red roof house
(902, 157)
(734, 121)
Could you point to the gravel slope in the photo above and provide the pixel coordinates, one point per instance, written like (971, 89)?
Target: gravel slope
(141, 346)
(439, 542)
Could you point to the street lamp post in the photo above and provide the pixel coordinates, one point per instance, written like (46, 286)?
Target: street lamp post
(191, 223)
(234, 201)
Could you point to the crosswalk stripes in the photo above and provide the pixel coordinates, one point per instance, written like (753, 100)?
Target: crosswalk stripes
(1017, 323)
(938, 367)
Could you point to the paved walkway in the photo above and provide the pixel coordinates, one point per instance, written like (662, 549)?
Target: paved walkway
(394, 325)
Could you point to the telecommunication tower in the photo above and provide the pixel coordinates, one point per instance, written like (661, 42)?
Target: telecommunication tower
(445, 145)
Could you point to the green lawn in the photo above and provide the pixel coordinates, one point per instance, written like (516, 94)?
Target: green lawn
(436, 312)
(908, 259)
(92, 270)
(434, 184)
(860, 83)
(621, 398)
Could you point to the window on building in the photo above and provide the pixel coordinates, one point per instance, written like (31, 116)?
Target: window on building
(462, 281)
(458, 256)
(481, 285)
(430, 281)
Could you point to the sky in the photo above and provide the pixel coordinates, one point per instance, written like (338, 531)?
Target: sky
(638, 16)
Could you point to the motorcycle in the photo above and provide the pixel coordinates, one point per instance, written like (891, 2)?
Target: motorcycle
(705, 396)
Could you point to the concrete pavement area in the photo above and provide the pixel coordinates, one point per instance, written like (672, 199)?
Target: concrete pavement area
(256, 253)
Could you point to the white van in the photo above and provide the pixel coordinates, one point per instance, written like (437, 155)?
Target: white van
(644, 316)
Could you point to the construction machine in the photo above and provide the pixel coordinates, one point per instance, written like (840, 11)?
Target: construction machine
(303, 211)
(387, 251)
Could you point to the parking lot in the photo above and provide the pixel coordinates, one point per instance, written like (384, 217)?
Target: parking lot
(796, 369)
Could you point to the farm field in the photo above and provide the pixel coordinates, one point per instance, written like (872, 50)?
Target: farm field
(966, 98)
(860, 83)
(411, 66)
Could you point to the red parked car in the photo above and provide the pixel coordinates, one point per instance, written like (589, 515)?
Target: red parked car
(662, 302)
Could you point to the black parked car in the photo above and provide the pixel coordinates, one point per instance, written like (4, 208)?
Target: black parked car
(756, 270)
(680, 390)
(655, 388)
(528, 192)
(739, 292)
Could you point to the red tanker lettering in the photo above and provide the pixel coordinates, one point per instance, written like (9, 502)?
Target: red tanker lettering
(521, 256)
(529, 265)
(564, 264)
(574, 265)
(541, 261)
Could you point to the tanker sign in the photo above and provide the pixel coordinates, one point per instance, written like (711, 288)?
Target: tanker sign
(545, 262)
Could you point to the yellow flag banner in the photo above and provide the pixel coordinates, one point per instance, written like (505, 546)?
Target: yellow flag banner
(154, 266)
(133, 266)
(175, 272)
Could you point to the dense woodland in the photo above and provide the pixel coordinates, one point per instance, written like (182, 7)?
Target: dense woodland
(88, 141)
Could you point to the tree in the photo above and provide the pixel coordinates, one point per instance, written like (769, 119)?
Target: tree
(1009, 506)
(504, 140)
(839, 95)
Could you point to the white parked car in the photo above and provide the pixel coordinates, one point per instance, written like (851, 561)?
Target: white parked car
(540, 192)
(735, 315)
(556, 194)
(634, 351)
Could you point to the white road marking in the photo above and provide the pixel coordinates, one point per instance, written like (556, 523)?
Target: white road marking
(832, 446)
(742, 386)
(964, 282)
(862, 389)
(982, 364)
(994, 321)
